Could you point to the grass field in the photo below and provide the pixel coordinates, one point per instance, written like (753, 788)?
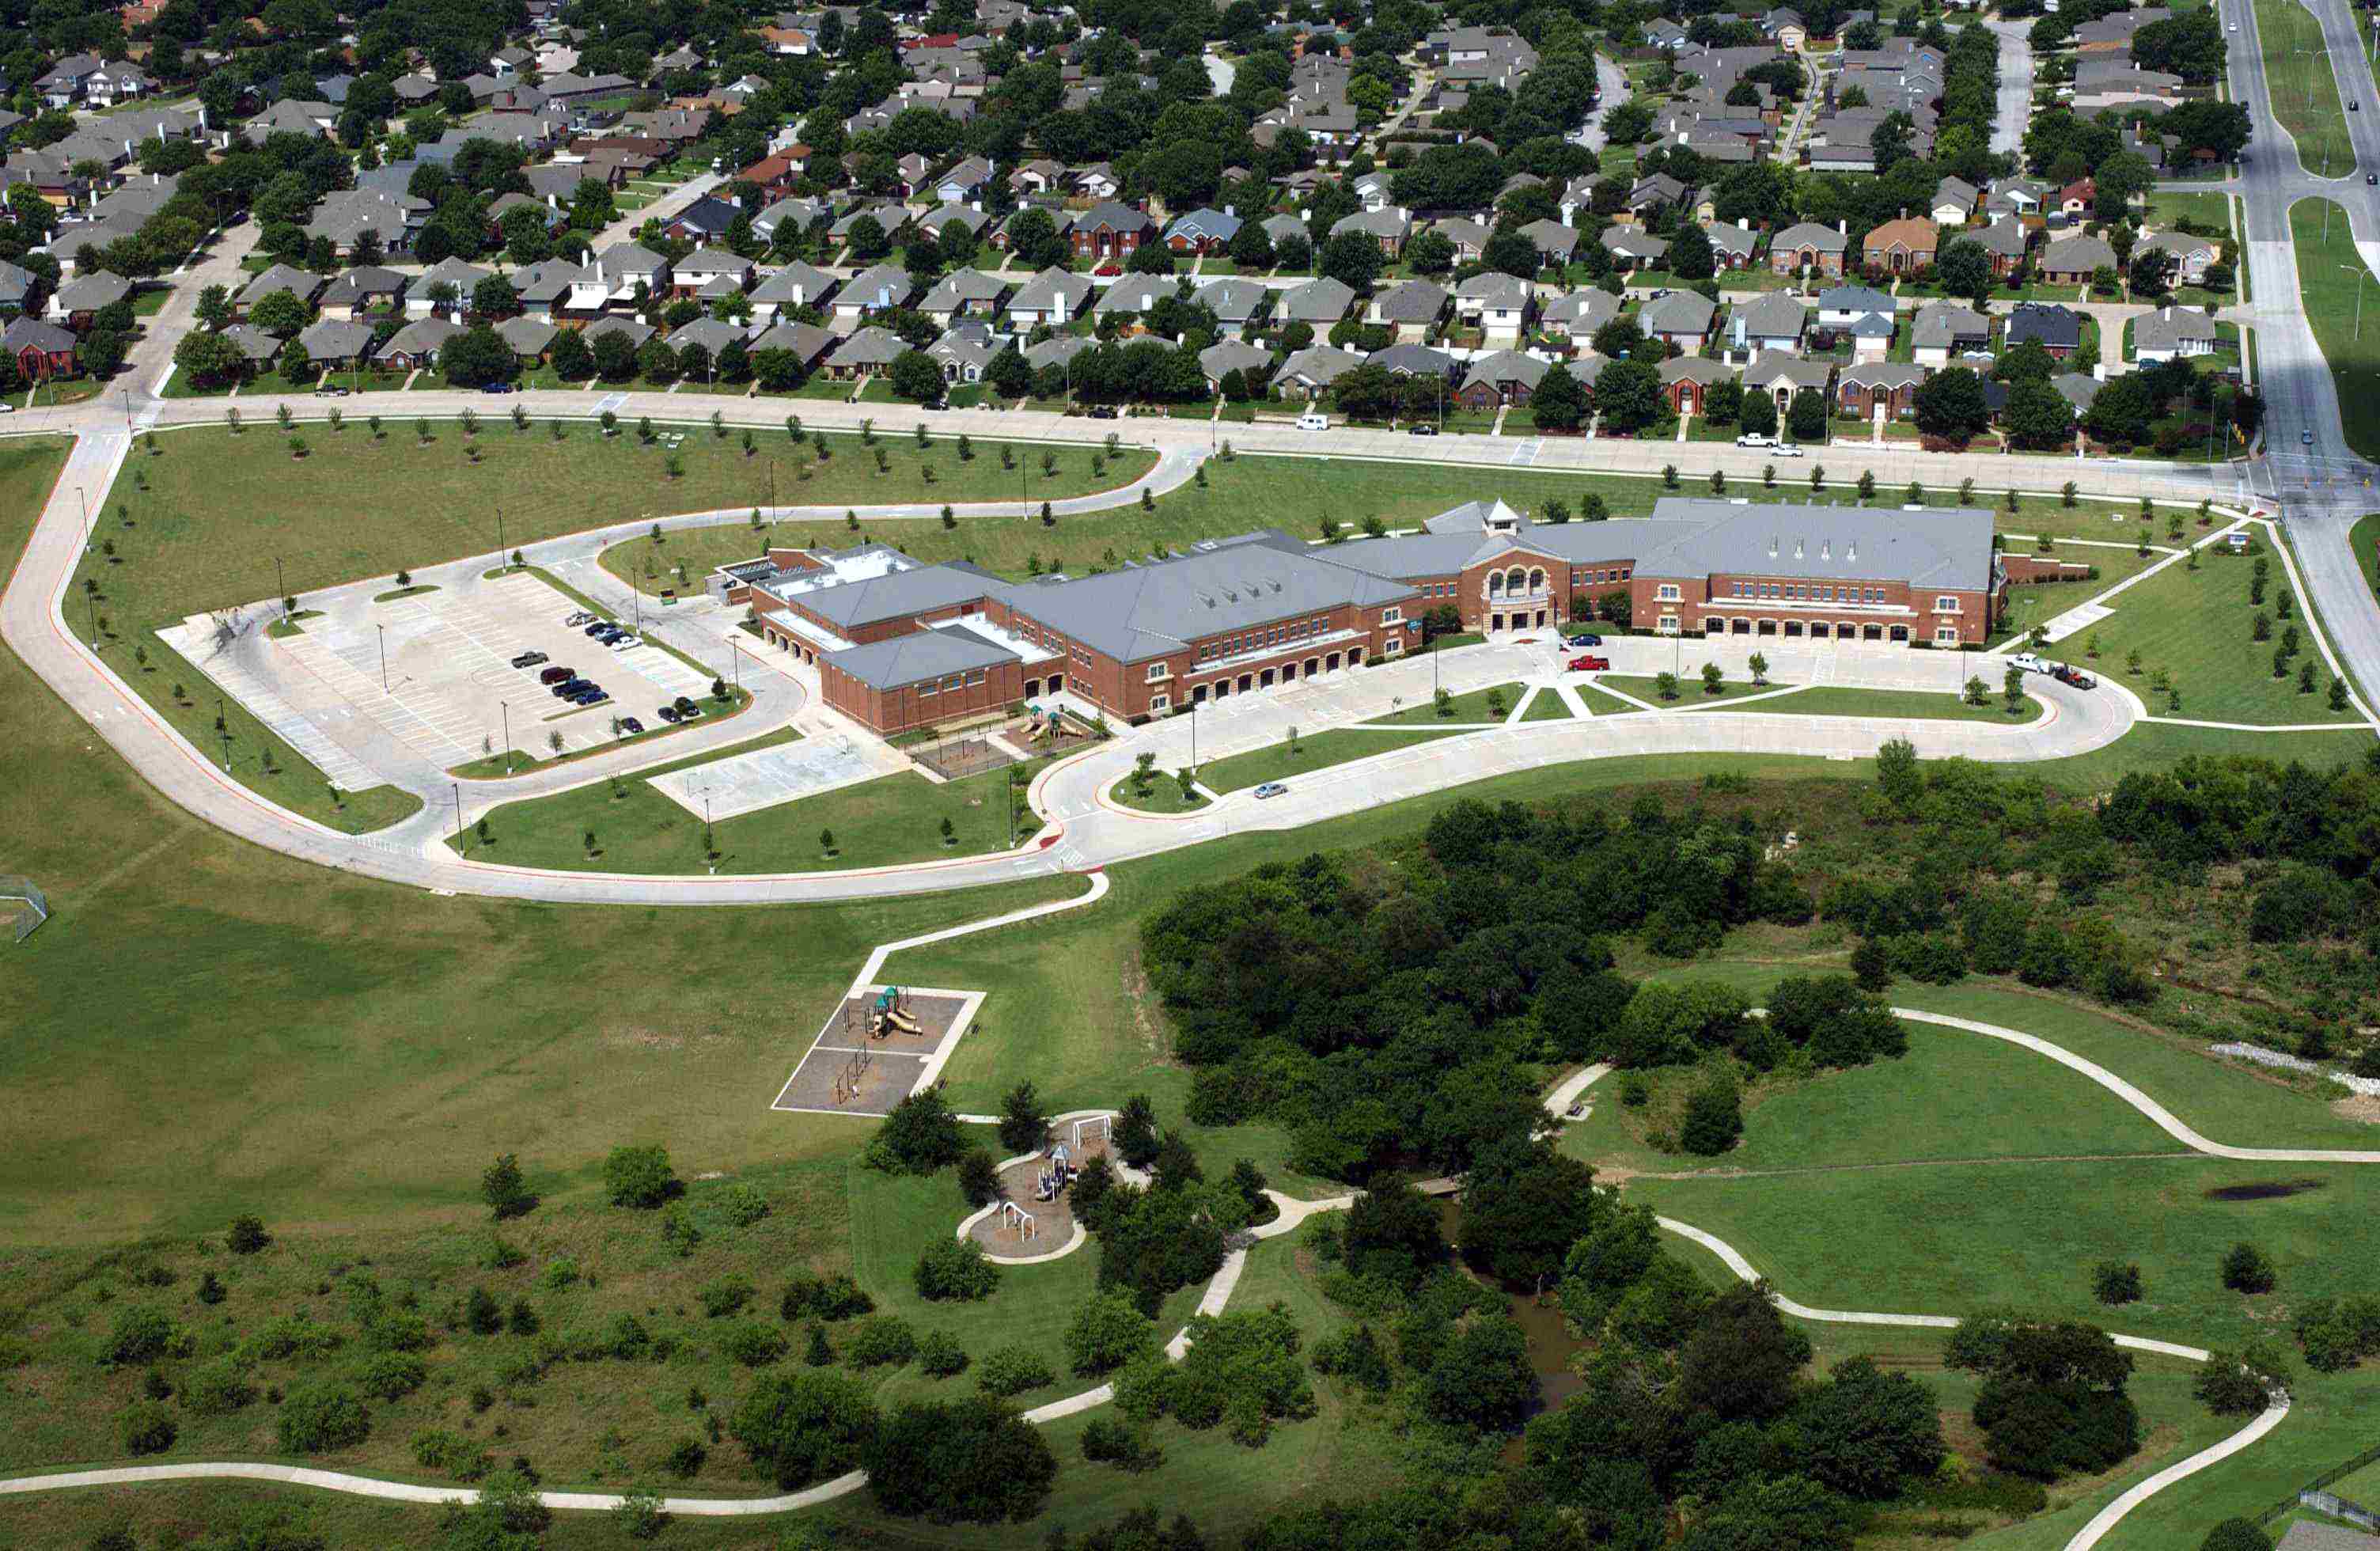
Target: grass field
(1164, 796)
(892, 819)
(2364, 539)
(2304, 91)
(2212, 212)
(2328, 295)
(1314, 751)
(1472, 707)
(2195, 627)
(1548, 707)
(1646, 687)
(1835, 701)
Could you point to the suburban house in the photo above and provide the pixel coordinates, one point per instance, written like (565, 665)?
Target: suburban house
(1110, 231)
(1888, 385)
(877, 289)
(1774, 321)
(2056, 329)
(1686, 381)
(1412, 309)
(1496, 304)
(1578, 315)
(2192, 255)
(2074, 260)
(2173, 333)
(1943, 330)
(1504, 377)
(1206, 232)
(1681, 318)
(1308, 374)
(1808, 247)
(1054, 296)
(1781, 376)
(42, 350)
(865, 353)
(1900, 247)
(1388, 227)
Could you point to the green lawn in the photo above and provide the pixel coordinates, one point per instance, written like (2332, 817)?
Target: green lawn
(1839, 700)
(2304, 90)
(522, 761)
(1314, 751)
(2039, 602)
(1598, 703)
(1164, 796)
(2331, 304)
(2364, 539)
(1472, 707)
(1548, 707)
(1646, 687)
(2196, 627)
(2210, 211)
(890, 818)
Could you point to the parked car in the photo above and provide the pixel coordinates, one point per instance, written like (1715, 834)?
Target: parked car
(631, 726)
(1313, 419)
(2068, 674)
(669, 714)
(1423, 430)
(597, 629)
(2029, 663)
(557, 675)
(687, 709)
(1756, 439)
(622, 641)
(1590, 665)
(1587, 639)
(592, 697)
(498, 388)
(581, 617)
(1787, 450)
(529, 659)
(330, 393)
(1101, 412)
(1271, 789)
(568, 687)
(2306, 437)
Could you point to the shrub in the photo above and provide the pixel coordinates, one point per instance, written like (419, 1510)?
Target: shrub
(1714, 1118)
(679, 1230)
(290, 1335)
(217, 1388)
(1354, 1355)
(2235, 1534)
(742, 1205)
(392, 1375)
(919, 1136)
(1108, 1331)
(2112, 1283)
(828, 1298)
(319, 1417)
(969, 1461)
(434, 1448)
(978, 1177)
(145, 1427)
(724, 1297)
(1112, 1440)
(247, 1234)
(753, 1345)
(940, 1355)
(686, 1459)
(1013, 1370)
(2229, 1383)
(558, 1274)
(956, 1268)
(2246, 1269)
(639, 1177)
(143, 1335)
(881, 1338)
(805, 1425)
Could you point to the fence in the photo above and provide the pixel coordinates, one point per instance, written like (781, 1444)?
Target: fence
(21, 890)
(2312, 1494)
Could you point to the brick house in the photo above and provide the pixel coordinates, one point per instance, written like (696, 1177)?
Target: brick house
(1110, 231)
(1892, 384)
(1900, 247)
(1808, 246)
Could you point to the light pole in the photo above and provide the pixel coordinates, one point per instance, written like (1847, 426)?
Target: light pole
(459, 820)
(505, 706)
(384, 656)
(280, 587)
(501, 551)
(87, 528)
(735, 663)
(2362, 275)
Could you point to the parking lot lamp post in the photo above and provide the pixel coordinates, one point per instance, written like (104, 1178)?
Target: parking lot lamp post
(505, 706)
(384, 656)
(87, 531)
(280, 587)
(91, 608)
(736, 664)
(460, 838)
(2362, 275)
(501, 551)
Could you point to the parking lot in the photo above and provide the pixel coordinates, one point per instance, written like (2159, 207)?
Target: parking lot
(434, 670)
(742, 783)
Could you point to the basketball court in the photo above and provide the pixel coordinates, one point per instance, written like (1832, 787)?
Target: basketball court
(863, 1062)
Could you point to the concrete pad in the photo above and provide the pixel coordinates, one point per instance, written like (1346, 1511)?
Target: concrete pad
(743, 783)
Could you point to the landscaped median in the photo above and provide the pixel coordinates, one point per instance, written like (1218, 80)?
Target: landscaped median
(635, 829)
(2331, 273)
(1476, 706)
(1313, 751)
(1689, 689)
(1828, 699)
(2304, 90)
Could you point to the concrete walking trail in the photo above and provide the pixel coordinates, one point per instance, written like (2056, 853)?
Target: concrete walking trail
(1293, 1215)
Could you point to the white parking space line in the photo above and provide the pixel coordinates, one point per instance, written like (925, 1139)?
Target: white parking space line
(351, 671)
(265, 704)
(664, 670)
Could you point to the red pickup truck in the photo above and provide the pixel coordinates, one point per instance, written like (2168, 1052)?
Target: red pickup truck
(1590, 665)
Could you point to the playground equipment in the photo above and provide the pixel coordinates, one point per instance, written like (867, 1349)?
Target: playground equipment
(1057, 1177)
(31, 906)
(847, 1081)
(889, 1014)
(1017, 1220)
(1096, 1130)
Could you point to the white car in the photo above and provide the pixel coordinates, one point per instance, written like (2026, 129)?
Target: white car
(1787, 450)
(624, 642)
(2032, 664)
(1312, 421)
(1754, 439)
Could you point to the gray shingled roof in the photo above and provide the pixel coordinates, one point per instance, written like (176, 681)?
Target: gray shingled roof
(1950, 548)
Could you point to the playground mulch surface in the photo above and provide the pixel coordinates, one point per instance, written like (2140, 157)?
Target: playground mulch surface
(1053, 1221)
(963, 757)
(883, 1072)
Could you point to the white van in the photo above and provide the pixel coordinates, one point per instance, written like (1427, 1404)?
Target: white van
(1313, 420)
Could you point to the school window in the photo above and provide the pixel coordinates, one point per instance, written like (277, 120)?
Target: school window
(1159, 702)
(1396, 646)
(976, 677)
(928, 688)
(1946, 604)
(1392, 616)
(1667, 592)
(1160, 670)
(1947, 634)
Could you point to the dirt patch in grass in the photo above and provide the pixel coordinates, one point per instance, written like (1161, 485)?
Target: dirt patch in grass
(2363, 1109)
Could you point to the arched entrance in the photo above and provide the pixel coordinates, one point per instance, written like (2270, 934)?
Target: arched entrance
(1766, 627)
(1872, 633)
(1900, 633)
(1792, 629)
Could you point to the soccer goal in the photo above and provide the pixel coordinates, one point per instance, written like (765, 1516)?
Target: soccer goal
(31, 906)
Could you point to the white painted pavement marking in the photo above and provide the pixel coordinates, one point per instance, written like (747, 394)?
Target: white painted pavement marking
(266, 705)
(664, 669)
(1527, 452)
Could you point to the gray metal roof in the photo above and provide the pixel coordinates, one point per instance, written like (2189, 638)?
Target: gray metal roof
(1947, 547)
(919, 656)
(900, 594)
(1150, 609)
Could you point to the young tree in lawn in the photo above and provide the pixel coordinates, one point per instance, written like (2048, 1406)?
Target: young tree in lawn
(1022, 1126)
